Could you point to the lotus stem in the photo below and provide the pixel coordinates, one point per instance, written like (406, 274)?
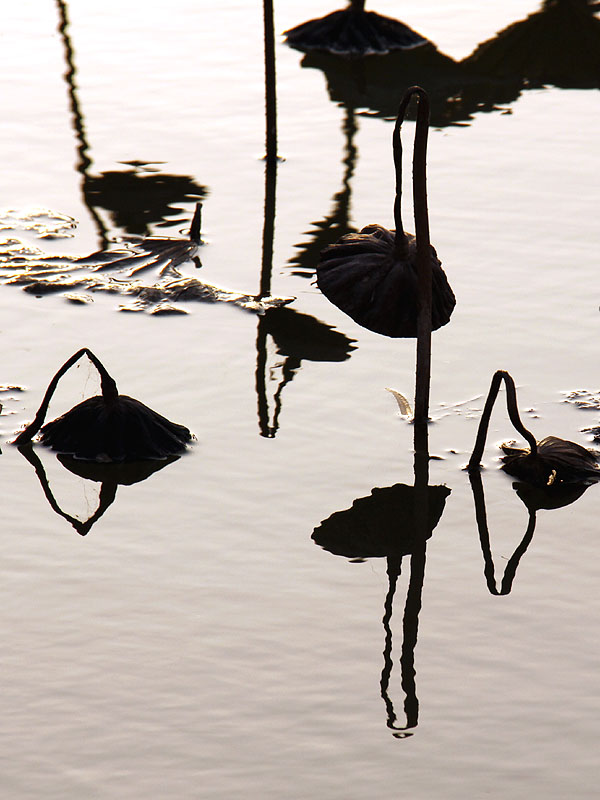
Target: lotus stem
(270, 82)
(484, 539)
(513, 413)
(109, 393)
(422, 235)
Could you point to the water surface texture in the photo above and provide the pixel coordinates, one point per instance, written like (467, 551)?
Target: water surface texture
(197, 642)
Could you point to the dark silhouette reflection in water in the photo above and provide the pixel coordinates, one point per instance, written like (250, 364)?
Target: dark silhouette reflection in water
(110, 477)
(336, 224)
(558, 45)
(394, 523)
(376, 84)
(534, 498)
(391, 523)
(296, 336)
(135, 198)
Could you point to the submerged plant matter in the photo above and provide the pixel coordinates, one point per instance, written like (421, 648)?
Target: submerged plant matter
(551, 460)
(107, 427)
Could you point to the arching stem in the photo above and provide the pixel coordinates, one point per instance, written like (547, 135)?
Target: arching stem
(109, 393)
(513, 413)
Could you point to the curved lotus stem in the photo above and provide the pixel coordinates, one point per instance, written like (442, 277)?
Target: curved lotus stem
(419, 167)
(109, 393)
(513, 413)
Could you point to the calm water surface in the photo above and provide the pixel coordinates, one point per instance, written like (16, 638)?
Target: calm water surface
(196, 643)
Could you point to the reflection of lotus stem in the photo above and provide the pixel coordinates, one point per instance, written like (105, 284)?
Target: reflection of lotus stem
(422, 236)
(109, 392)
(108, 492)
(484, 538)
(513, 413)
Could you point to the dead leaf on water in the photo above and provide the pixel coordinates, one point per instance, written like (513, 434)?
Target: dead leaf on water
(403, 404)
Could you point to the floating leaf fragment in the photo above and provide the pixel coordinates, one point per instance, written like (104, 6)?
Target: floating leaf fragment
(403, 404)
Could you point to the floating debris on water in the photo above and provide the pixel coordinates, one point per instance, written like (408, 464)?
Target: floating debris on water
(79, 299)
(117, 270)
(582, 398)
(42, 222)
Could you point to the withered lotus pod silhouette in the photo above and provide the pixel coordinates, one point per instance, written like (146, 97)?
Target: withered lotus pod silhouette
(353, 31)
(544, 463)
(375, 276)
(107, 427)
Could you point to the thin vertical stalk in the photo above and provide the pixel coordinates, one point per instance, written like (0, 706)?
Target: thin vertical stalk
(423, 377)
(270, 82)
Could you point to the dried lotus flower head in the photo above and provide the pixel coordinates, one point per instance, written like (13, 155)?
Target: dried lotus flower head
(373, 276)
(548, 462)
(352, 32)
(110, 427)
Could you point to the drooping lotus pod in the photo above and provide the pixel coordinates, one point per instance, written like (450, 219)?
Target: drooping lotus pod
(365, 276)
(554, 460)
(373, 276)
(352, 31)
(545, 463)
(107, 427)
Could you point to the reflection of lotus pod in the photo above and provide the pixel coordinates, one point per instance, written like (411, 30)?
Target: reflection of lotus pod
(557, 495)
(126, 430)
(384, 524)
(556, 460)
(364, 276)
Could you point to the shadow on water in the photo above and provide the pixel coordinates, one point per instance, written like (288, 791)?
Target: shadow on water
(336, 224)
(558, 45)
(296, 336)
(135, 198)
(110, 477)
(375, 84)
(534, 499)
(393, 523)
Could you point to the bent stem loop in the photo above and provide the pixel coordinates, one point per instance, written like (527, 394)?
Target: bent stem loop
(109, 393)
(513, 413)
